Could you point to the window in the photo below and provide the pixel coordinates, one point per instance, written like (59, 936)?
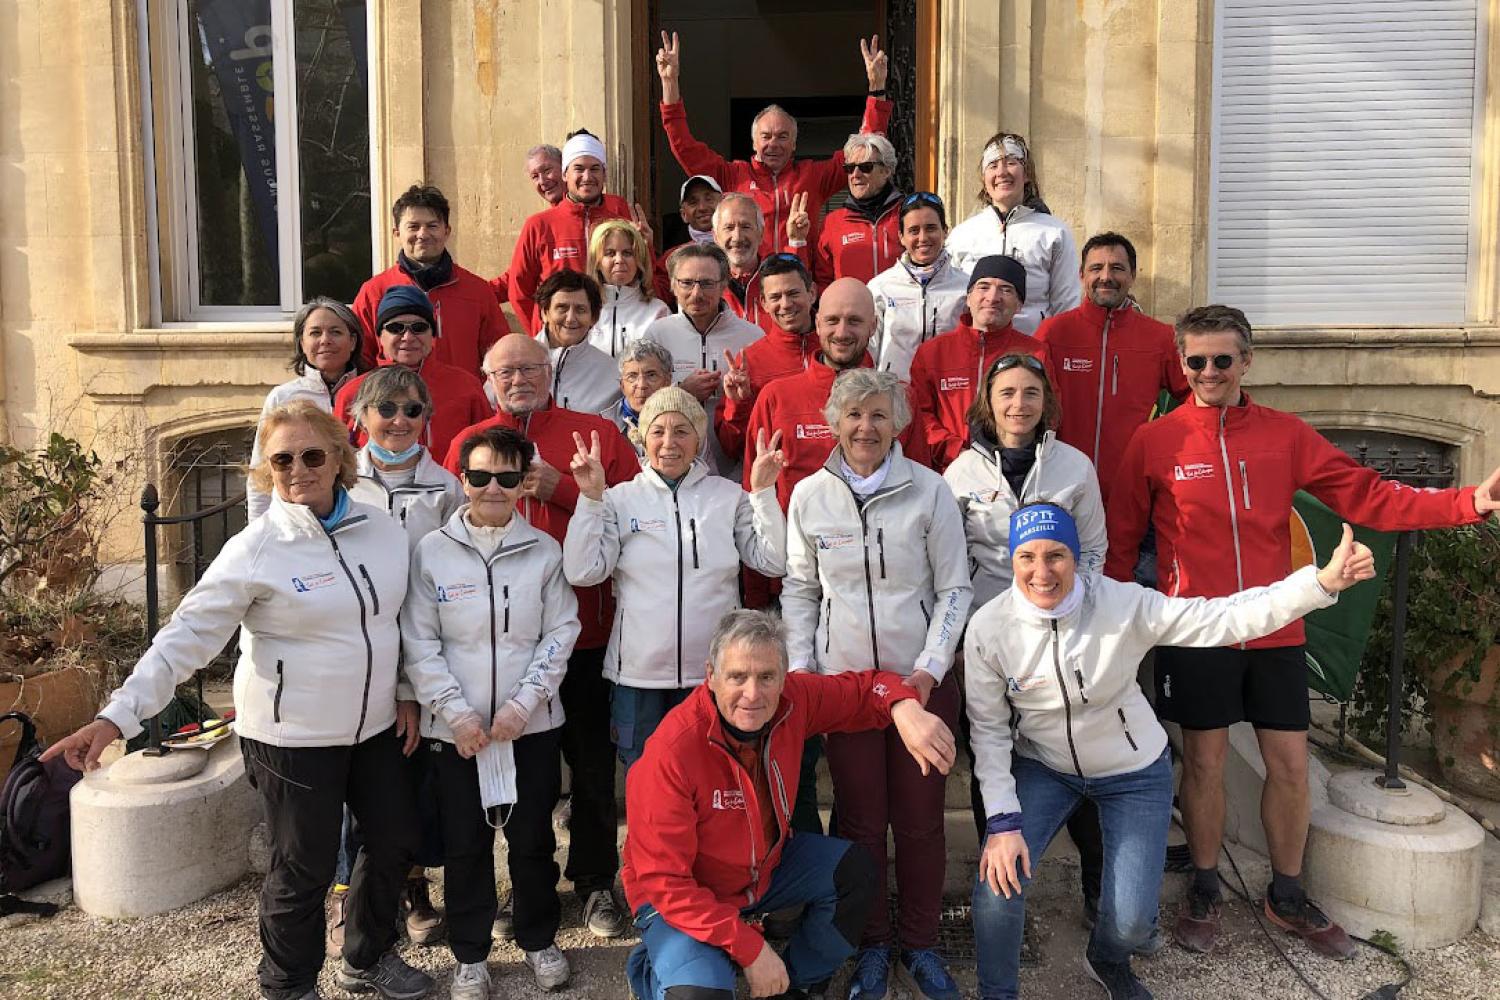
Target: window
(263, 163)
(1344, 160)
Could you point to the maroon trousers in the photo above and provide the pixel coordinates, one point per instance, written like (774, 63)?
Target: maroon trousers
(877, 785)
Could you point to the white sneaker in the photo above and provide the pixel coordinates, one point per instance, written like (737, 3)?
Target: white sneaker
(550, 966)
(471, 981)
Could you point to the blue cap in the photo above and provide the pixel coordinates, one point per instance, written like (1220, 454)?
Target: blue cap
(1043, 520)
(400, 300)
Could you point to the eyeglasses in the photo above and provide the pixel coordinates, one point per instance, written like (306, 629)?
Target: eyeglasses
(417, 328)
(312, 458)
(701, 284)
(1198, 362)
(649, 377)
(1010, 361)
(480, 478)
(525, 371)
(867, 168)
(390, 408)
(922, 198)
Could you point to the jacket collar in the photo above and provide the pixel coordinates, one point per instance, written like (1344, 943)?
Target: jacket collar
(897, 478)
(823, 373)
(1209, 416)
(528, 424)
(427, 474)
(294, 520)
(706, 712)
(687, 320)
(1096, 315)
(522, 535)
(618, 295)
(697, 471)
(805, 344)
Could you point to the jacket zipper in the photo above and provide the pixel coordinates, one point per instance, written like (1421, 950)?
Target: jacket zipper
(276, 702)
(505, 594)
(880, 542)
(1109, 318)
(364, 629)
(864, 530)
(925, 613)
(1126, 726)
(827, 624)
(374, 597)
(1062, 686)
(735, 767)
(1079, 675)
(677, 517)
(1245, 483)
(489, 579)
(693, 530)
(1234, 515)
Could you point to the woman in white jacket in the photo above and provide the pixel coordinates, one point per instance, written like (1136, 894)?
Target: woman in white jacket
(1056, 717)
(1014, 221)
(584, 378)
(488, 626)
(621, 260)
(923, 294)
(672, 539)
(876, 578)
(313, 587)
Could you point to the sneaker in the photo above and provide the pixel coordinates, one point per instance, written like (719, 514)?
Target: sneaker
(471, 981)
(1304, 919)
(505, 921)
(602, 916)
(424, 925)
(1117, 979)
(333, 938)
(926, 973)
(391, 977)
(1197, 922)
(871, 978)
(550, 966)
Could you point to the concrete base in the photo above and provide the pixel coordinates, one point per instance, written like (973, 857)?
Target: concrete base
(145, 847)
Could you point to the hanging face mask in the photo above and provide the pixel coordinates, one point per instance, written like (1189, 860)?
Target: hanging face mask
(497, 778)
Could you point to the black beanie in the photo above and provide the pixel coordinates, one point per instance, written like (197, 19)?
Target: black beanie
(1005, 268)
(400, 300)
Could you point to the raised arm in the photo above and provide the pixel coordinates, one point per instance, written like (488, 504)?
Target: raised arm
(759, 524)
(693, 156)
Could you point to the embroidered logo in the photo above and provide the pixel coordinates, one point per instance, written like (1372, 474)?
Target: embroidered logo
(849, 238)
(566, 253)
(814, 432)
(454, 592)
(1019, 685)
(1078, 364)
(729, 798)
(639, 524)
(307, 584)
(838, 541)
(954, 383)
(1192, 470)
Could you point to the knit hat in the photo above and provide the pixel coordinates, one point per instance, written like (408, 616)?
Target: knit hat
(583, 144)
(670, 399)
(400, 300)
(1007, 269)
(1043, 520)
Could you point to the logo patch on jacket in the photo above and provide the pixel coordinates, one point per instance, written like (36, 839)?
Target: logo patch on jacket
(729, 798)
(638, 524)
(814, 432)
(848, 238)
(453, 592)
(1016, 685)
(316, 581)
(954, 383)
(836, 541)
(1192, 470)
(566, 253)
(1078, 364)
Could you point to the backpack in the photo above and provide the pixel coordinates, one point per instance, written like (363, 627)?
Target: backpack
(34, 828)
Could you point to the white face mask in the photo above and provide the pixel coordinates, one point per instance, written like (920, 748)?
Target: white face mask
(497, 776)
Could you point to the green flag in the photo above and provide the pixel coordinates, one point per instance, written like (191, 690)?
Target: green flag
(1337, 636)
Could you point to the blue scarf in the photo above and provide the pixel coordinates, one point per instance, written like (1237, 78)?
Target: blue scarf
(340, 509)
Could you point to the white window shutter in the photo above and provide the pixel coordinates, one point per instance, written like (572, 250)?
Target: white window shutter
(1343, 160)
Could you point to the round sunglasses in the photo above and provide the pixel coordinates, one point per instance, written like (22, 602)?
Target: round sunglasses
(390, 408)
(312, 458)
(1198, 362)
(480, 478)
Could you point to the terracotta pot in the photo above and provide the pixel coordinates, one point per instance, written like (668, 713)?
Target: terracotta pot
(60, 701)
(1466, 727)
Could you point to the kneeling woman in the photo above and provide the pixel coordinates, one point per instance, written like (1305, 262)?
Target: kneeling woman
(1054, 659)
(488, 626)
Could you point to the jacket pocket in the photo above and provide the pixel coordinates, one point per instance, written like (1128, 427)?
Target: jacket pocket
(1126, 727)
(926, 615)
(276, 699)
(1083, 696)
(1245, 482)
(827, 624)
(370, 585)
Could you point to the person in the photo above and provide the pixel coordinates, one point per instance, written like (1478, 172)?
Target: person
(738, 226)
(584, 378)
(325, 355)
(544, 169)
(645, 368)
(1046, 738)
(309, 585)
(488, 626)
(774, 174)
(860, 238)
(877, 578)
(1227, 467)
(697, 199)
(619, 253)
(407, 327)
(701, 330)
(519, 371)
(557, 238)
(1014, 221)
(717, 780)
(1113, 361)
(946, 370)
(671, 538)
(921, 295)
(465, 314)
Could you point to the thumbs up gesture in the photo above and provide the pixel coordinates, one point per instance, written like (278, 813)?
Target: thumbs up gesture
(1350, 563)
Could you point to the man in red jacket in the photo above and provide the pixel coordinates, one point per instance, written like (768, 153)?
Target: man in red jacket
(774, 175)
(738, 228)
(1112, 360)
(947, 370)
(520, 374)
(1216, 477)
(714, 846)
(558, 237)
(544, 172)
(468, 318)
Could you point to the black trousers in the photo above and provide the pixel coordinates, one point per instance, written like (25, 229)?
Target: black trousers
(593, 851)
(304, 790)
(469, 842)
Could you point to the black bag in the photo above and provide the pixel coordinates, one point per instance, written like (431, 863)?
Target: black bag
(34, 830)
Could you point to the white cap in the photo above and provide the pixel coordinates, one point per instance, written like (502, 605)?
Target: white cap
(682, 194)
(583, 144)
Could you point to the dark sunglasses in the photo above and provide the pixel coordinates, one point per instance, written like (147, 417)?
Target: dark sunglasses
(480, 478)
(1018, 361)
(396, 328)
(784, 258)
(313, 458)
(390, 408)
(866, 168)
(922, 198)
(1198, 362)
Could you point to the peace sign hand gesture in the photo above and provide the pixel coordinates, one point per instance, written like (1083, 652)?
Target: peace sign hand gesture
(876, 63)
(798, 222)
(669, 68)
(736, 381)
(587, 469)
(769, 461)
(642, 222)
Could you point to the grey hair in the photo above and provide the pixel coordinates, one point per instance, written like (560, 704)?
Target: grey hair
(730, 199)
(769, 109)
(700, 251)
(878, 145)
(546, 149)
(341, 312)
(647, 350)
(859, 384)
(743, 627)
(390, 382)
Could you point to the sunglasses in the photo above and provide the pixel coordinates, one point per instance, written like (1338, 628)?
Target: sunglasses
(389, 409)
(922, 198)
(418, 327)
(313, 458)
(480, 478)
(867, 168)
(1198, 362)
(1018, 361)
(784, 258)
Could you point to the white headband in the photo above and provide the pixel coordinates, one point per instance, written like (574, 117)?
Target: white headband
(997, 151)
(582, 145)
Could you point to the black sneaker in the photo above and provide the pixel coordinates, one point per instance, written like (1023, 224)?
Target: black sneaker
(391, 977)
(602, 915)
(1117, 979)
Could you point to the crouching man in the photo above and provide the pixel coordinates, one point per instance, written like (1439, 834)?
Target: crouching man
(709, 805)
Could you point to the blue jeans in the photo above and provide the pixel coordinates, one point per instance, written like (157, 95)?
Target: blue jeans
(832, 877)
(634, 714)
(1135, 810)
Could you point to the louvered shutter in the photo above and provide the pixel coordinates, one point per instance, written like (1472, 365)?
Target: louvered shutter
(1344, 160)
